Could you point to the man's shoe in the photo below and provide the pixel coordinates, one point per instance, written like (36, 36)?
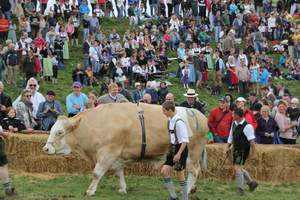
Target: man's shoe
(10, 192)
(240, 192)
(252, 186)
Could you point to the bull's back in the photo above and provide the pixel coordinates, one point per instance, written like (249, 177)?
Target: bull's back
(118, 125)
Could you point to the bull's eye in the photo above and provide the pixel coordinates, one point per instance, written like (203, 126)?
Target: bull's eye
(59, 133)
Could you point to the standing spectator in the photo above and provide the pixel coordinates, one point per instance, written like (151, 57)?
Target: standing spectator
(192, 102)
(12, 61)
(120, 8)
(266, 127)
(5, 8)
(252, 100)
(219, 121)
(5, 102)
(12, 32)
(243, 75)
(153, 7)
(76, 101)
(48, 111)
(28, 65)
(286, 126)
(37, 97)
(70, 30)
(264, 77)
(24, 109)
(76, 23)
(86, 26)
(84, 9)
(94, 24)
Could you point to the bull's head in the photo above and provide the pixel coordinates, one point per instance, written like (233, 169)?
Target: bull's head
(56, 143)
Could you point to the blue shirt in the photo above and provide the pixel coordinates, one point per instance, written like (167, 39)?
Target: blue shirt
(72, 99)
(264, 77)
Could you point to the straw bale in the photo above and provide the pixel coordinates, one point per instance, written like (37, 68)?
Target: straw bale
(277, 163)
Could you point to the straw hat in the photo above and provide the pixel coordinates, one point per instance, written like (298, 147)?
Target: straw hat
(191, 93)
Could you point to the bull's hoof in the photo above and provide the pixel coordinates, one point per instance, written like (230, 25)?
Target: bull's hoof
(122, 191)
(89, 193)
(193, 190)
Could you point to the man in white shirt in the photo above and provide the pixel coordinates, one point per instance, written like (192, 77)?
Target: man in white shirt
(178, 151)
(242, 138)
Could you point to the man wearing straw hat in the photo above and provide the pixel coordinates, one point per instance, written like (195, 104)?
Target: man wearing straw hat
(242, 138)
(191, 101)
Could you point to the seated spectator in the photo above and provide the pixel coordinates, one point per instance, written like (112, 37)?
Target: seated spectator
(36, 97)
(5, 102)
(219, 121)
(162, 92)
(124, 92)
(137, 94)
(266, 127)
(76, 101)
(12, 123)
(92, 102)
(192, 102)
(146, 98)
(286, 126)
(24, 109)
(79, 75)
(113, 95)
(48, 111)
(151, 89)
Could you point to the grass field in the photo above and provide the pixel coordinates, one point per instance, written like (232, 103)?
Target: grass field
(140, 188)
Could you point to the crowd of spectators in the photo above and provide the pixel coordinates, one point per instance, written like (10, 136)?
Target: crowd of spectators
(244, 34)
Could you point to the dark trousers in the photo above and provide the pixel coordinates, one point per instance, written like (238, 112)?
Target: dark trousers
(243, 87)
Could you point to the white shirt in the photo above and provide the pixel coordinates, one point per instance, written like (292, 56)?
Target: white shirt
(181, 130)
(248, 131)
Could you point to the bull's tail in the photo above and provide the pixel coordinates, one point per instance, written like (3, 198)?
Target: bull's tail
(203, 160)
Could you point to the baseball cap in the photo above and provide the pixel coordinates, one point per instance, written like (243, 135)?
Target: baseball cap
(77, 84)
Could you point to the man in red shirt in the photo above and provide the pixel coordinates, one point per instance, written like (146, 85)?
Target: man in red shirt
(219, 121)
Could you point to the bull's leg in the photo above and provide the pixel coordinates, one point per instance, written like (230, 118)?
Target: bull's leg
(193, 164)
(193, 172)
(122, 183)
(100, 169)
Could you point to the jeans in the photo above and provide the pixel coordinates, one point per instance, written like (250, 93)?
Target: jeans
(217, 33)
(153, 9)
(86, 62)
(278, 32)
(176, 9)
(120, 12)
(95, 66)
(85, 34)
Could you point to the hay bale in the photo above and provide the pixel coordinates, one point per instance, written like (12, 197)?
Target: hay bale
(277, 163)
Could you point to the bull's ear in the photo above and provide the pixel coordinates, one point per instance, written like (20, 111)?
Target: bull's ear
(75, 122)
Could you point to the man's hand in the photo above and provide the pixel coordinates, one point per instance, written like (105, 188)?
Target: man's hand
(3, 107)
(76, 106)
(11, 128)
(177, 157)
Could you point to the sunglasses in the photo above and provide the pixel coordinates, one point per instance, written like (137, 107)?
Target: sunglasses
(28, 95)
(32, 85)
(76, 87)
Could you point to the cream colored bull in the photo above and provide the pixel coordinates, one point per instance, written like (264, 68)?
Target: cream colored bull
(110, 137)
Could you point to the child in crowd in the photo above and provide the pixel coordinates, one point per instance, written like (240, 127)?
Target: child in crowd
(12, 123)
(185, 76)
(12, 32)
(91, 79)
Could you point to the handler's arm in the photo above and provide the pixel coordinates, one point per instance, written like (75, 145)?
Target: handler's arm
(253, 149)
